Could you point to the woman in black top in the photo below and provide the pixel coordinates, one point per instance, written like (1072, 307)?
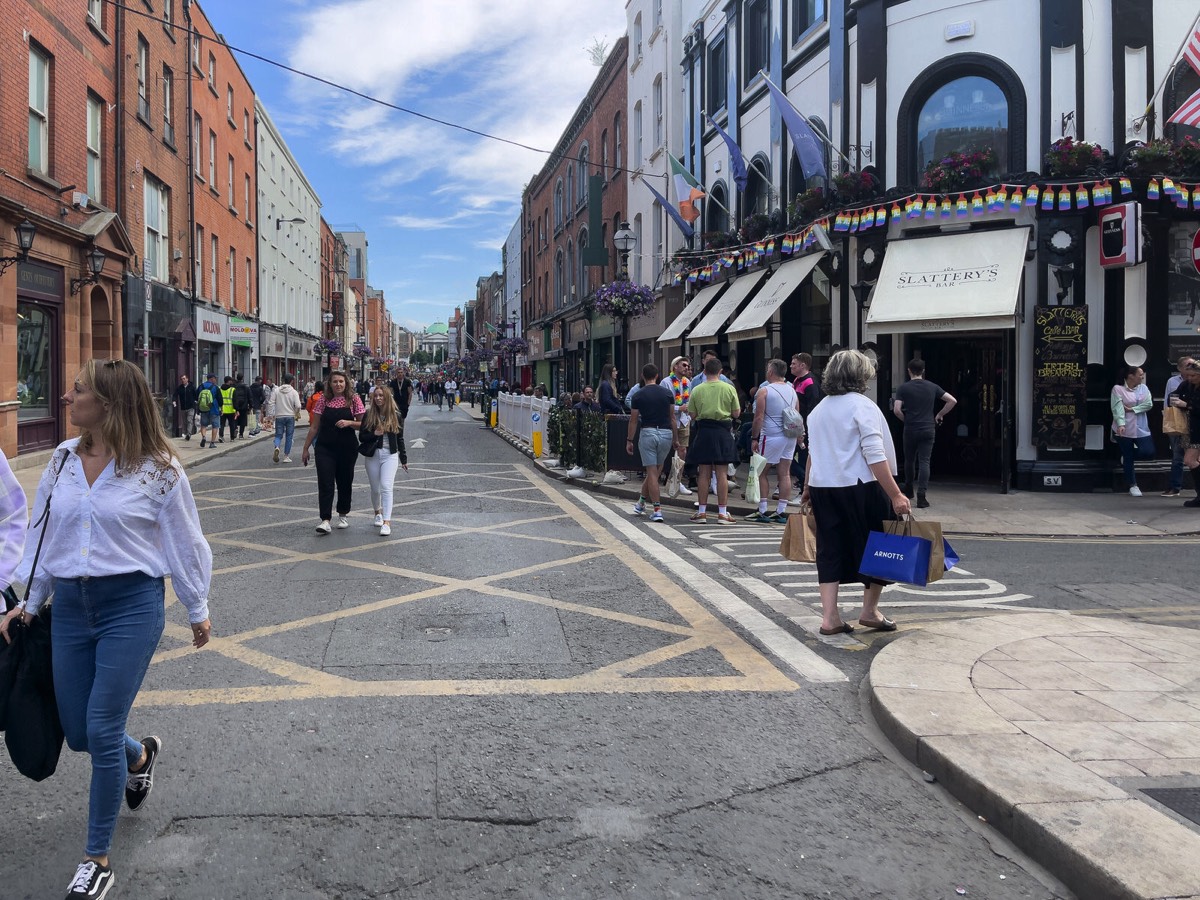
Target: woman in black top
(336, 416)
(607, 391)
(1188, 397)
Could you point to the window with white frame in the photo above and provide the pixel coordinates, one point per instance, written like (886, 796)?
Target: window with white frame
(39, 110)
(806, 14)
(229, 183)
(249, 281)
(233, 278)
(212, 71)
(246, 198)
(658, 14)
(246, 125)
(156, 213)
(637, 248)
(657, 98)
(637, 135)
(584, 172)
(95, 123)
(197, 156)
(637, 38)
(200, 262)
(196, 50)
(95, 11)
(718, 77)
(212, 159)
(570, 195)
(214, 254)
(168, 99)
(616, 144)
(229, 103)
(604, 153)
(558, 205)
(143, 79)
(756, 38)
(168, 14)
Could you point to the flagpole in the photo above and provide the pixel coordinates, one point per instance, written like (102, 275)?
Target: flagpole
(1138, 122)
(819, 132)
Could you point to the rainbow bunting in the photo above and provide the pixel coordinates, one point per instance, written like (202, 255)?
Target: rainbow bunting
(961, 206)
(931, 207)
(787, 244)
(947, 208)
(1017, 200)
(990, 200)
(855, 220)
(840, 223)
(1048, 199)
(880, 217)
(1152, 192)
(1064, 198)
(1126, 185)
(1182, 197)
(976, 203)
(1081, 197)
(677, 279)
(1168, 186)
(693, 277)
(896, 211)
(1031, 198)
(1001, 198)
(1097, 195)
(770, 245)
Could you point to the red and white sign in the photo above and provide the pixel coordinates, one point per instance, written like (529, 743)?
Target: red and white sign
(1121, 235)
(211, 326)
(1196, 250)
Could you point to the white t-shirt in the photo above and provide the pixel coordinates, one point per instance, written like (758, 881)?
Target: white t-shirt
(847, 433)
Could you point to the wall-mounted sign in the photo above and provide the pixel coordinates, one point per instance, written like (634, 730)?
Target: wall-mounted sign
(956, 31)
(211, 326)
(1060, 377)
(1121, 235)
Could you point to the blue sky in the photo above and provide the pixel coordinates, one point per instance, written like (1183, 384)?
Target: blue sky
(436, 203)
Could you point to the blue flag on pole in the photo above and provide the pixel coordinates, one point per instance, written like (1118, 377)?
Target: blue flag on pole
(666, 204)
(737, 162)
(804, 139)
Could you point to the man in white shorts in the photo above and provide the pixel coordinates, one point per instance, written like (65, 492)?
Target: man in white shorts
(654, 408)
(768, 439)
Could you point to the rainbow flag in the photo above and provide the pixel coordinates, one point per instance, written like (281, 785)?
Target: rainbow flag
(990, 199)
(1168, 186)
(854, 222)
(947, 208)
(1152, 192)
(896, 211)
(1017, 200)
(770, 245)
(880, 217)
(1064, 198)
(961, 206)
(1031, 198)
(677, 279)
(1081, 197)
(1126, 185)
(931, 207)
(727, 262)
(788, 244)
(840, 223)
(1048, 199)
(1001, 198)
(693, 276)
(976, 203)
(1182, 197)
(1097, 194)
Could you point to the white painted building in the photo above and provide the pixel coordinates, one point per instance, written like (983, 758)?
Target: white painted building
(289, 228)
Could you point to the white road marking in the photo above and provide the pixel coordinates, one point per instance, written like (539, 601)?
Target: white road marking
(778, 641)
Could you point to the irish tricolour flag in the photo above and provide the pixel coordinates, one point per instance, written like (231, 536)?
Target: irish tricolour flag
(687, 191)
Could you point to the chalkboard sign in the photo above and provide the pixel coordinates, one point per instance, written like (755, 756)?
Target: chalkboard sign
(1060, 377)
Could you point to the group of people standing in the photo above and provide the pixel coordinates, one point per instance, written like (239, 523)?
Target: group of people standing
(1131, 402)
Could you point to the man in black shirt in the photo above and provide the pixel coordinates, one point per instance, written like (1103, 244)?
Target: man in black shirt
(653, 408)
(914, 406)
(185, 402)
(402, 390)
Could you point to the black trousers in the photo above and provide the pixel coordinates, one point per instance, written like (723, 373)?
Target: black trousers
(335, 470)
(231, 420)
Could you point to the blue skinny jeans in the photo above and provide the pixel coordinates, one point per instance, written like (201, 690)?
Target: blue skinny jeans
(285, 430)
(1131, 448)
(105, 631)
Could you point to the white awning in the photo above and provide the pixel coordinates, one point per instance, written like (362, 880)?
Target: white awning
(716, 317)
(969, 281)
(691, 312)
(788, 277)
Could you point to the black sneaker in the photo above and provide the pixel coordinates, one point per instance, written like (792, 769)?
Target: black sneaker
(202, 442)
(92, 881)
(139, 785)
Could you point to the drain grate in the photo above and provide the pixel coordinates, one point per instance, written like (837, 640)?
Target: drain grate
(1184, 801)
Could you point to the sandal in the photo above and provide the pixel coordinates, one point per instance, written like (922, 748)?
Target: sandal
(844, 628)
(881, 624)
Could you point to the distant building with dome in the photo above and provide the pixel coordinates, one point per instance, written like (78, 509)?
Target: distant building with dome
(434, 338)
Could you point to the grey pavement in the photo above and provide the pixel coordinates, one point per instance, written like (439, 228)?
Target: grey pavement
(1077, 738)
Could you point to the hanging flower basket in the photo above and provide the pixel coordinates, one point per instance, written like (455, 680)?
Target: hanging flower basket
(510, 345)
(1155, 158)
(332, 345)
(852, 186)
(958, 171)
(623, 298)
(1068, 158)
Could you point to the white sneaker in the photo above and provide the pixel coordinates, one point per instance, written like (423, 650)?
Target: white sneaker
(343, 522)
(1135, 491)
(385, 530)
(287, 459)
(275, 455)
(685, 490)
(378, 520)
(324, 527)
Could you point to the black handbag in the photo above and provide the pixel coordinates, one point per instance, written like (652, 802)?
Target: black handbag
(33, 732)
(370, 442)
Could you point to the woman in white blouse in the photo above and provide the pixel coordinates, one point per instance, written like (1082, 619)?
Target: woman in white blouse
(121, 518)
(850, 484)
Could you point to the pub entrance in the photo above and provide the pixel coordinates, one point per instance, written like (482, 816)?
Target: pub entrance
(971, 366)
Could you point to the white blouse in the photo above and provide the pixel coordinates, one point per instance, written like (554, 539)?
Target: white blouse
(847, 433)
(141, 520)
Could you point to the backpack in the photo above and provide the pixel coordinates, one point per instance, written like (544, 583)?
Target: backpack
(241, 397)
(791, 421)
(204, 404)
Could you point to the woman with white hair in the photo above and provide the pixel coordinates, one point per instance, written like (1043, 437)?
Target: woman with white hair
(851, 485)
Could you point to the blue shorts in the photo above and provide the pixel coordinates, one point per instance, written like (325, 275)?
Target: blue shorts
(211, 418)
(654, 445)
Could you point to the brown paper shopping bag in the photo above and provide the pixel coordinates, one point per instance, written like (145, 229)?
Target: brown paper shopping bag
(931, 531)
(799, 542)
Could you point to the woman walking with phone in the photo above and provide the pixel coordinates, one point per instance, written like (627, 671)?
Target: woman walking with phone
(122, 519)
(381, 442)
(336, 416)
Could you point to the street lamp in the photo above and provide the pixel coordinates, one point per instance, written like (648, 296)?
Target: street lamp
(624, 240)
(95, 261)
(26, 232)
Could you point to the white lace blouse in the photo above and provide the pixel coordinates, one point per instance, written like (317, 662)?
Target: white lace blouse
(141, 520)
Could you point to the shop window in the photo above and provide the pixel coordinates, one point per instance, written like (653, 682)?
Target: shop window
(757, 198)
(806, 15)
(716, 218)
(35, 388)
(717, 76)
(756, 39)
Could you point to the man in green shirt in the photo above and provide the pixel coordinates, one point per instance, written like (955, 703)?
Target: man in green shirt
(713, 406)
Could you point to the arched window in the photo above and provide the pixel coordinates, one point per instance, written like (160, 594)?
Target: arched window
(962, 104)
(584, 171)
(570, 270)
(715, 216)
(570, 195)
(757, 198)
(559, 281)
(1180, 86)
(617, 163)
(558, 205)
(604, 154)
(585, 283)
(637, 135)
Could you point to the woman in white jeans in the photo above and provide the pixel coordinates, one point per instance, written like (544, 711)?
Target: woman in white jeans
(383, 429)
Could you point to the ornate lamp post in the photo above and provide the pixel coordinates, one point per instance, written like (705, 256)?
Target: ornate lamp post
(624, 240)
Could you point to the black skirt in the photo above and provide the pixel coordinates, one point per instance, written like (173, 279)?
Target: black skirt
(712, 443)
(845, 517)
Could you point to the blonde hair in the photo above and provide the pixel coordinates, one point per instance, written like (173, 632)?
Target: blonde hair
(849, 371)
(132, 428)
(348, 393)
(387, 418)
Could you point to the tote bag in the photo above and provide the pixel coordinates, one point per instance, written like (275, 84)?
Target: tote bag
(897, 557)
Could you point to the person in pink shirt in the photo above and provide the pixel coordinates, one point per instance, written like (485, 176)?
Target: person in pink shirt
(336, 417)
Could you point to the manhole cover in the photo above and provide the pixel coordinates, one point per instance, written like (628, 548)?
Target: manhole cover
(1184, 801)
(438, 633)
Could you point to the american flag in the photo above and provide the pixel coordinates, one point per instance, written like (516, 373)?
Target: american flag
(1189, 112)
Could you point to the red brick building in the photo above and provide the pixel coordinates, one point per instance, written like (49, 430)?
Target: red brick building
(224, 250)
(59, 105)
(567, 344)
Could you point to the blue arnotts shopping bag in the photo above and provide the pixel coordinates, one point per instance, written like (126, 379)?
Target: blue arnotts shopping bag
(897, 557)
(950, 554)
